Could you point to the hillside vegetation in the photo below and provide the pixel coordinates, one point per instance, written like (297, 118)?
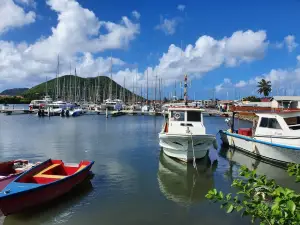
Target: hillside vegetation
(90, 89)
(14, 91)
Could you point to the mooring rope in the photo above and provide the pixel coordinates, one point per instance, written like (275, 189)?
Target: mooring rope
(194, 158)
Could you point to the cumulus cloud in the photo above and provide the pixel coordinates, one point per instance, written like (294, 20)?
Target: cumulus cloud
(226, 82)
(284, 81)
(208, 54)
(75, 38)
(289, 42)
(13, 16)
(136, 14)
(298, 58)
(181, 7)
(78, 30)
(168, 26)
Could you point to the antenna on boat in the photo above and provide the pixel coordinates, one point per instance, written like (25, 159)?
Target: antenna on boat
(185, 90)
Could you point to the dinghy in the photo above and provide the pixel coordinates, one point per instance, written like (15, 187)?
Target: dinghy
(11, 169)
(41, 184)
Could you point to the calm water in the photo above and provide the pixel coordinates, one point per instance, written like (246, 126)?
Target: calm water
(134, 183)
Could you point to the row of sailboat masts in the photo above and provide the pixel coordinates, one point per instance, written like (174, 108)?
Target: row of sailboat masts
(74, 89)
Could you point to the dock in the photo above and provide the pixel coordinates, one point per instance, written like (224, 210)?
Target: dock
(17, 111)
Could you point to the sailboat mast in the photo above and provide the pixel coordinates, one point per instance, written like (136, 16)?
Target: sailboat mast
(110, 86)
(75, 90)
(185, 90)
(57, 77)
(46, 85)
(155, 87)
(124, 97)
(147, 86)
(116, 91)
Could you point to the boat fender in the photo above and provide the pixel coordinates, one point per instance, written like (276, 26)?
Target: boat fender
(215, 144)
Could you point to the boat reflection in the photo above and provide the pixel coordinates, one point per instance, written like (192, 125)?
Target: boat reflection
(56, 211)
(237, 158)
(181, 183)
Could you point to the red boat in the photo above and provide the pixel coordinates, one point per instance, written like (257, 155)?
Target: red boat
(41, 184)
(11, 169)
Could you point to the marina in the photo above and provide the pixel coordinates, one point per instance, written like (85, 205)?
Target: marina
(148, 185)
(131, 112)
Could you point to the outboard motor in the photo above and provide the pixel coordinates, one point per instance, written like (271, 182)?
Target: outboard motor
(39, 113)
(62, 113)
(43, 113)
(67, 113)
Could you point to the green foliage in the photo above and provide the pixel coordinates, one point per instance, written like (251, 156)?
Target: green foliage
(261, 198)
(251, 99)
(14, 91)
(14, 100)
(264, 87)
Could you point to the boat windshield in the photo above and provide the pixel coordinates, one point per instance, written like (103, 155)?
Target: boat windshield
(293, 122)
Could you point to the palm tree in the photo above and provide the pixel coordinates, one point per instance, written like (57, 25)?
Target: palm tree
(264, 87)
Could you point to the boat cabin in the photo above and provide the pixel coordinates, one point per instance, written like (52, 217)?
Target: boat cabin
(278, 127)
(184, 120)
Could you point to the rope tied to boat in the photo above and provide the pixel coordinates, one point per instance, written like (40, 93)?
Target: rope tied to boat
(194, 158)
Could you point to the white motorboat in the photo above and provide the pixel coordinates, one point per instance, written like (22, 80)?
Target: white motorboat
(275, 138)
(110, 104)
(183, 134)
(37, 104)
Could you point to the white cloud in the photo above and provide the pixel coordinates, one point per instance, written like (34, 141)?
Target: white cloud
(78, 30)
(290, 42)
(283, 81)
(30, 3)
(226, 82)
(76, 38)
(298, 58)
(136, 14)
(12, 16)
(181, 7)
(241, 84)
(208, 54)
(168, 26)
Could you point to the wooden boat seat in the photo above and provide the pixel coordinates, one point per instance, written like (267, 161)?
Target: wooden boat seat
(42, 175)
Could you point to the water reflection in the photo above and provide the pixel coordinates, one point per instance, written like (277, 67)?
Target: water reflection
(237, 158)
(181, 183)
(57, 211)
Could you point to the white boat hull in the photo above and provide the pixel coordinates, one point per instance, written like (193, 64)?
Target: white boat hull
(186, 147)
(269, 151)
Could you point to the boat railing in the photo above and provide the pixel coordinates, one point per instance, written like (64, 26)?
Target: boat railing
(261, 109)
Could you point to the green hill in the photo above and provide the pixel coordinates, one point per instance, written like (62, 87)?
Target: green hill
(90, 89)
(14, 91)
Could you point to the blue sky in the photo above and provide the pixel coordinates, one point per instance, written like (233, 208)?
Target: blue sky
(224, 46)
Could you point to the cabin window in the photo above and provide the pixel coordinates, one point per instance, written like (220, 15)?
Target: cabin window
(177, 115)
(273, 123)
(264, 122)
(269, 123)
(194, 116)
(293, 122)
